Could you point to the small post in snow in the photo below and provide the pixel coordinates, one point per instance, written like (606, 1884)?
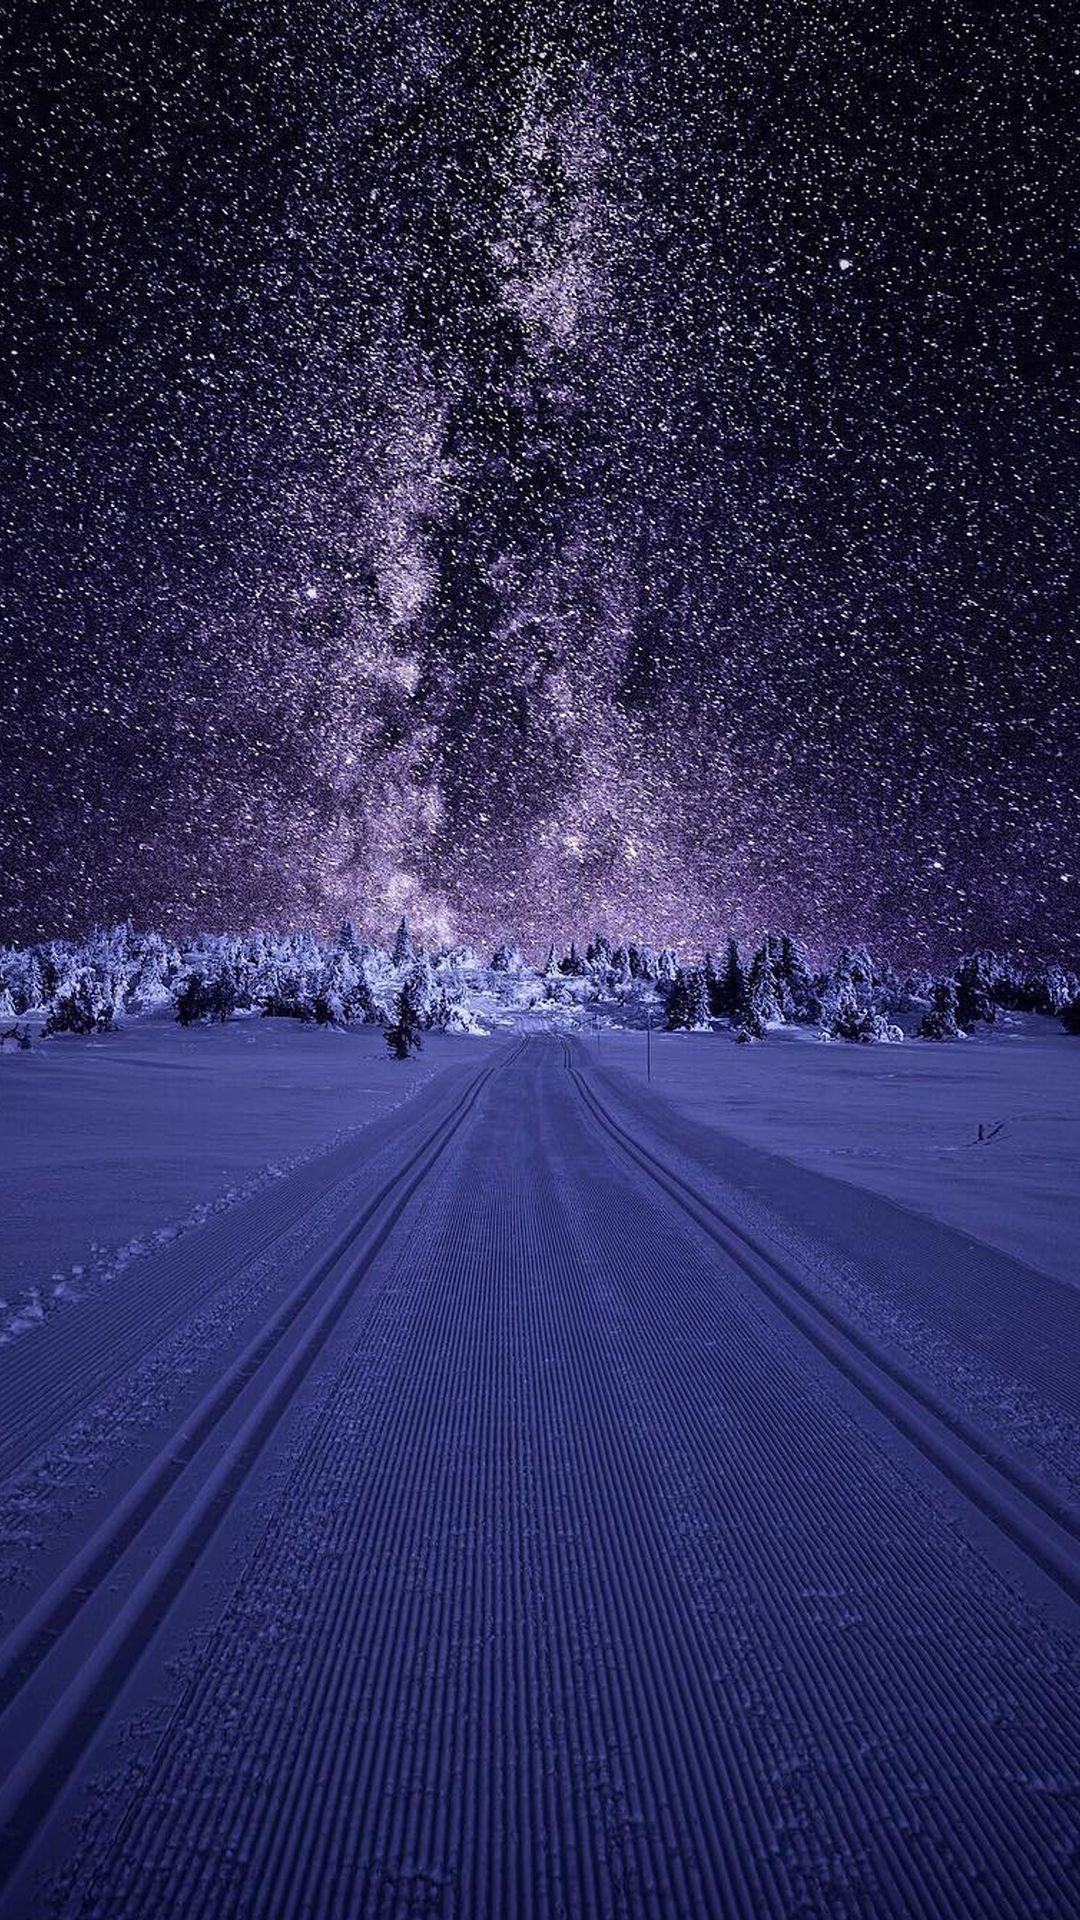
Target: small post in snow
(648, 1045)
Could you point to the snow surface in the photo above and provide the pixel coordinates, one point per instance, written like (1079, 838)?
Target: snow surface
(903, 1120)
(515, 1528)
(110, 1145)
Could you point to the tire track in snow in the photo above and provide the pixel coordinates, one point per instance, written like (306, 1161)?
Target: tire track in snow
(586, 1597)
(39, 1770)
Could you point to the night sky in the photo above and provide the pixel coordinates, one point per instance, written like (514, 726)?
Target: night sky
(541, 468)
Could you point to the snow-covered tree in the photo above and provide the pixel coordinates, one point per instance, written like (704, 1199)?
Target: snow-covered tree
(688, 1001)
(727, 984)
(404, 952)
(154, 965)
(763, 1008)
(423, 989)
(207, 997)
(941, 1022)
(798, 996)
(86, 1001)
(975, 1003)
(290, 991)
(620, 978)
(845, 1018)
(506, 959)
(1058, 989)
(642, 962)
(406, 1033)
(350, 942)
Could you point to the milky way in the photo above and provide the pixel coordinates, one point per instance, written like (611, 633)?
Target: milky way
(542, 468)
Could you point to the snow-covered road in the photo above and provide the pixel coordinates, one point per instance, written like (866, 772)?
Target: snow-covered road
(509, 1514)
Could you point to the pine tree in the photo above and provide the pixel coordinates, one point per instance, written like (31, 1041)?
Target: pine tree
(87, 999)
(687, 1001)
(845, 1018)
(424, 990)
(642, 962)
(712, 984)
(730, 999)
(506, 959)
(762, 992)
(941, 1022)
(350, 943)
(800, 1001)
(404, 950)
(406, 1033)
(207, 997)
(974, 993)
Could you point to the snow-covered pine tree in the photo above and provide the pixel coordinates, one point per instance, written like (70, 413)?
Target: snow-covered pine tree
(424, 990)
(844, 1017)
(154, 967)
(404, 952)
(763, 1008)
(620, 978)
(25, 977)
(506, 959)
(350, 943)
(800, 1001)
(290, 992)
(688, 1002)
(975, 1003)
(941, 1022)
(87, 998)
(730, 989)
(642, 962)
(1057, 989)
(406, 1033)
(207, 996)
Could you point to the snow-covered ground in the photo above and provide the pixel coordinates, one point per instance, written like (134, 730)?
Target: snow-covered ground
(507, 1511)
(903, 1120)
(108, 1142)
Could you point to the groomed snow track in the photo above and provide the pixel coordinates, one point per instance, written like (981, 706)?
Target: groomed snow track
(605, 1573)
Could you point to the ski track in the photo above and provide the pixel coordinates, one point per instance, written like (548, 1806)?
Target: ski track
(589, 1590)
(96, 1340)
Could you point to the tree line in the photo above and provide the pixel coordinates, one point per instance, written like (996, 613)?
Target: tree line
(88, 986)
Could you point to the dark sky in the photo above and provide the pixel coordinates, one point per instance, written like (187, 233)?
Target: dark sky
(542, 467)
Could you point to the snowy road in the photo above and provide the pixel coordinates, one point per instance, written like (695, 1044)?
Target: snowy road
(493, 1519)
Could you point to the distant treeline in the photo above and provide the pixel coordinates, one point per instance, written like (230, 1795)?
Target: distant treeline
(87, 986)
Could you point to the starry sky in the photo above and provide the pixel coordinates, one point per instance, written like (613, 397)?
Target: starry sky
(542, 467)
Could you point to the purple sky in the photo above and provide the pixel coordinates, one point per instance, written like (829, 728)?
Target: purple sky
(541, 468)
